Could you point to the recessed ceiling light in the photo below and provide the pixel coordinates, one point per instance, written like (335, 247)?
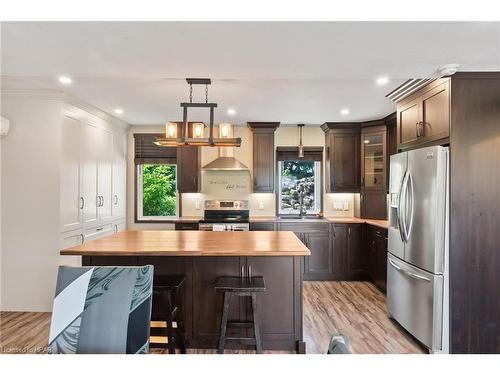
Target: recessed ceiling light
(344, 111)
(231, 111)
(119, 111)
(65, 80)
(382, 81)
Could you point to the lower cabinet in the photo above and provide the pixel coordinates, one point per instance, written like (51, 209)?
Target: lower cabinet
(262, 226)
(278, 309)
(348, 252)
(376, 240)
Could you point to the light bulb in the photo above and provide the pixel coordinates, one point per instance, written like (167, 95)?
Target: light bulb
(224, 130)
(171, 130)
(198, 130)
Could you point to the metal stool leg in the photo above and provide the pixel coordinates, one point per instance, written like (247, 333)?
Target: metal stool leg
(223, 325)
(256, 330)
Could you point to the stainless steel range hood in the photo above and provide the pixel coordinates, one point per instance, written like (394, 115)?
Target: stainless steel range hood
(225, 163)
(226, 160)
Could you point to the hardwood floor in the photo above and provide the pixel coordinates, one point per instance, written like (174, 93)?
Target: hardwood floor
(356, 309)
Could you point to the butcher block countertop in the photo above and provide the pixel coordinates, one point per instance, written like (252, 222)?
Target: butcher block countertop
(336, 220)
(193, 243)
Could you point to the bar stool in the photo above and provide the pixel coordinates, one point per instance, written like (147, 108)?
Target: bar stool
(240, 286)
(167, 291)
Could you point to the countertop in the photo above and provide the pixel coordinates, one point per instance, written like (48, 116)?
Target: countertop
(340, 220)
(193, 243)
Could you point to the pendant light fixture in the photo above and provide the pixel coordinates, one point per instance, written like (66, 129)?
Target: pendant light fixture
(185, 134)
(301, 146)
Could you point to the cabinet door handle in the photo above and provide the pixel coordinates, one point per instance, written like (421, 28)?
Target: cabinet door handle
(98, 199)
(250, 272)
(99, 229)
(255, 182)
(349, 230)
(83, 238)
(116, 228)
(116, 199)
(82, 203)
(102, 201)
(242, 272)
(334, 234)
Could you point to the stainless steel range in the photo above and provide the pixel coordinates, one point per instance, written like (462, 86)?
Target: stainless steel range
(225, 216)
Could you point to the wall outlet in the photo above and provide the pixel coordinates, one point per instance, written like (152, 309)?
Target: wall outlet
(346, 206)
(261, 205)
(338, 206)
(197, 205)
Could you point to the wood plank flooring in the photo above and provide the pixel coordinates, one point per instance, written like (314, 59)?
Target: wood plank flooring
(356, 309)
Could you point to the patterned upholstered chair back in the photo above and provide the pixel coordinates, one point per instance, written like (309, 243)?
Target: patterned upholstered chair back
(102, 310)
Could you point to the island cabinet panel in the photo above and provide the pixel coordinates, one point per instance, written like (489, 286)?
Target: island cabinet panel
(279, 308)
(207, 303)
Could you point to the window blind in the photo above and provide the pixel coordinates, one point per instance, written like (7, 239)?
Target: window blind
(146, 152)
(292, 153)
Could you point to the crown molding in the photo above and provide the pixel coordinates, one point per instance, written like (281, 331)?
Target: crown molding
(67, 99)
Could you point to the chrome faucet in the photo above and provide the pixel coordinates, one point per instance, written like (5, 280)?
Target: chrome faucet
(301, 189)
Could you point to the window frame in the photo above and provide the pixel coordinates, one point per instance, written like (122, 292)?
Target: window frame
(318, 173)
(138, 186)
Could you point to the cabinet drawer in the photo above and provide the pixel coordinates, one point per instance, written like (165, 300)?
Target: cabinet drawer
(187, 226)
(98, 232)
(262, 226)
(304, 227)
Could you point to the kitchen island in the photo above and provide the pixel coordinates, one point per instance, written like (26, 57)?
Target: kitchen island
(204, 256)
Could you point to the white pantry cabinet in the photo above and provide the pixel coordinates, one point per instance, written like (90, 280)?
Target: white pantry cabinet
(93, 172)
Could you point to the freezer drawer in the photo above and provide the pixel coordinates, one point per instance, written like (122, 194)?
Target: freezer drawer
(415, 300)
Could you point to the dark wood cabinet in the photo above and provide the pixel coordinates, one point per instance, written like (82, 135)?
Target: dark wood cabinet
(180, 225)
(207, 303)
(356, 258)
(263, 168)
(424, 117)
(316, 236)
(373, 205)
(320, 260)
(188, 169)
(262, 226)
(282, 276)
(339, 256)
(376, 251)
(342, 157)
(374, 170)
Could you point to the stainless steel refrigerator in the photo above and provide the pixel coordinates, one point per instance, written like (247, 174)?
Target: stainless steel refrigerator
(417, 262)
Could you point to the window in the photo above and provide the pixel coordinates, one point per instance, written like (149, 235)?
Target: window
(156, 191)
(299, 177)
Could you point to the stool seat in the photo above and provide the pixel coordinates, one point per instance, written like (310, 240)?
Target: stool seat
(240, 284)
(168, 281)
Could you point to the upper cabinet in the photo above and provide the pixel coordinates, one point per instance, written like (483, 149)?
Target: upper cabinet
(424, 117)
(93, 171)
(188, 169)
(342, 157)
(263, 156)
(374, 156)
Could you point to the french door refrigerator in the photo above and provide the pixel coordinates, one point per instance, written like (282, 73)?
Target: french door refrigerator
(417, 261)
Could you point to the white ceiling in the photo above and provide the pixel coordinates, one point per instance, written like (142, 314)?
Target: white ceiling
(268, 71)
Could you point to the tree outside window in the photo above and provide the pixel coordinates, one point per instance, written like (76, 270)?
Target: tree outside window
(157, 191)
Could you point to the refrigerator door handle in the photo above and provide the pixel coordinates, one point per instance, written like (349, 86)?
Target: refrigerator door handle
(402, 212)
(409, 194)
(408, 273)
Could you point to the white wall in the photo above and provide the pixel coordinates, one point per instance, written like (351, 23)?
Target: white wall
(284, 136)
(30, 157)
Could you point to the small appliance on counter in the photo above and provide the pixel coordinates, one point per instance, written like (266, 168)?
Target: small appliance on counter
(226, 215)
(417, 266)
